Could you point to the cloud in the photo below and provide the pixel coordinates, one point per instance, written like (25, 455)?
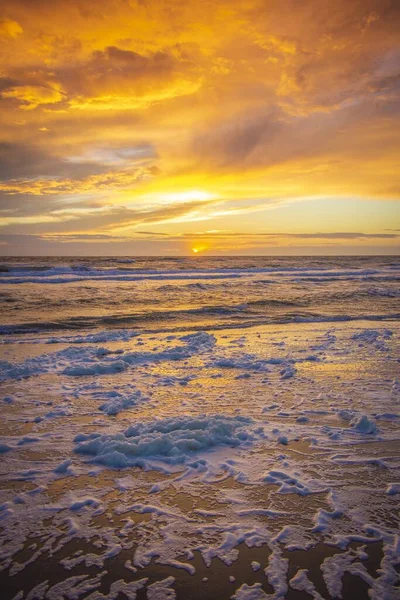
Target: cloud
(97, 219)
(109, 181)
(32, 96)
(22, 245)
(157, 244)
(254, 105)
(9, 28)
(339, 235)
(21, 166)
(110, 79)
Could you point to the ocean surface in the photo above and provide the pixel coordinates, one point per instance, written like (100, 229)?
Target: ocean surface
(200, 428)
(168, 294)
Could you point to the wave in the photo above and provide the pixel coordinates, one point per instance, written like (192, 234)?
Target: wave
(181, 321)
(73, 277)
(360, 277)
(188, 294)
(80, 273)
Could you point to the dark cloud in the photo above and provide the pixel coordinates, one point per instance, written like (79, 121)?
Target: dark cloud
(112, 71)
(115, 69)
(25, 205)
(236, 140)
(75, 237)
(269, 137)
(150, 233)
(7, 83)
(33, 245)
(20, 161)
(107, 219)
(340, 235)
(26, 168)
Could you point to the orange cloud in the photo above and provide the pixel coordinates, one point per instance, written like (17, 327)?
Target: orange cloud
(253, 104)
(9, 28)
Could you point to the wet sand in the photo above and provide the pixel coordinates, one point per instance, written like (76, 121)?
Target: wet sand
(299, 483)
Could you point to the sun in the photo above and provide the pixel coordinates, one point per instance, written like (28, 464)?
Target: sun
(198, 249)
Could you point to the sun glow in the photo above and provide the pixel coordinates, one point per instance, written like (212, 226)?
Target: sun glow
(198, 249)
(179, 197)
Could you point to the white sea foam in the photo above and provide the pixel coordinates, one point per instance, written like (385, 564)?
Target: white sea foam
(89, 361)
(171, 441)
(250, 592)
(161, 590)
(302, 583)
(362, 424)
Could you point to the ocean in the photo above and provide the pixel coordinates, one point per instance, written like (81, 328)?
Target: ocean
(199, 428)
(174, 294)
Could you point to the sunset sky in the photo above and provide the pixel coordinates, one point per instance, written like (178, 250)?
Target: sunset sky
(154, 127)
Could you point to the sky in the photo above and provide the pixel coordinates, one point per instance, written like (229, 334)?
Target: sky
(176, 127)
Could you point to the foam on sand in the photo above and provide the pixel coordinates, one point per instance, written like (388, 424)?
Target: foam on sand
(92, 361)
(362, 424)
(161, 590)
(251, 592)
(292, 455)
(118, 402)
(172, 441)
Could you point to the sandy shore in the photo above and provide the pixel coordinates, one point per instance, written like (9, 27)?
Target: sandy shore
(214, 464)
